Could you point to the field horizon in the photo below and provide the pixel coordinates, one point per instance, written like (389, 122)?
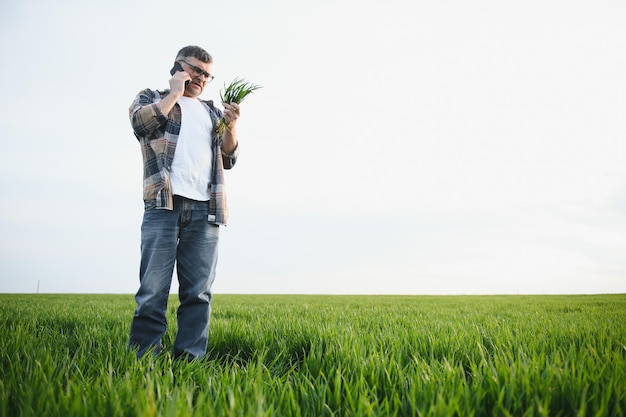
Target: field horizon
(340, 294)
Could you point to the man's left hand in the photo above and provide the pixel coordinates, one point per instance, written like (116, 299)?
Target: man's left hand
(231, 113)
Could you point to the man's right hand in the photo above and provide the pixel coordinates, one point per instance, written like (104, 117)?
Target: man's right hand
(177, 89)
(178, 83)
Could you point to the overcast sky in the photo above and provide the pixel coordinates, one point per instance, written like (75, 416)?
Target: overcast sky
(419, 147)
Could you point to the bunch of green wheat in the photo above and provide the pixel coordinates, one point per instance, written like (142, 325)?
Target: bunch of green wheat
(235, 92)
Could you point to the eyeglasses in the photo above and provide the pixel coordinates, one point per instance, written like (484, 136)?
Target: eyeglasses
(199, 71)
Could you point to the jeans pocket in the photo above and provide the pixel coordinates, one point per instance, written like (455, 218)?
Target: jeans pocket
(149, 205)
(213, 229)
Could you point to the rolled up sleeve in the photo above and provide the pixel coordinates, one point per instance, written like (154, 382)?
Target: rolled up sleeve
(145, 114)
(229, 159)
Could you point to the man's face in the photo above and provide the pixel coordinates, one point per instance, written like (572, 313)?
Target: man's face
(197, 70)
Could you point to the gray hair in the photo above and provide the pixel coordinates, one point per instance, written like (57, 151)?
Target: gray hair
(196, 52)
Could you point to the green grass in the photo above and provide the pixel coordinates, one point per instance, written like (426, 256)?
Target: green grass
(65, 355)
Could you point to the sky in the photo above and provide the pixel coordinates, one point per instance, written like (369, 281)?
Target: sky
(397, 147)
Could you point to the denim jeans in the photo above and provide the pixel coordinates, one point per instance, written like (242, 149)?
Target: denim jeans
(182, 237)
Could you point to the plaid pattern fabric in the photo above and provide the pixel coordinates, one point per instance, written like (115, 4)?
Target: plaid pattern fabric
(157, 135)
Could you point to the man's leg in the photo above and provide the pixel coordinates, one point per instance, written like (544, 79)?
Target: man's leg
(159, 236)
(196, 263)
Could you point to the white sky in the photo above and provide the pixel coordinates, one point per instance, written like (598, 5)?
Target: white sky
(421, 147)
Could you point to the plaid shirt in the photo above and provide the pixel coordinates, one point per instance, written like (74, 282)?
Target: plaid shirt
(157, 135)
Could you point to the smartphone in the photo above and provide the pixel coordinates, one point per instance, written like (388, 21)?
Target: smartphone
(178, 68)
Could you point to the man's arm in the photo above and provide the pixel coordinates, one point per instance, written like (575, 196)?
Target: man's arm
(146, 115)
(177, 89)
(231, 115)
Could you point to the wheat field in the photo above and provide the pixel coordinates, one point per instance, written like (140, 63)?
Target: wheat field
(306, 355)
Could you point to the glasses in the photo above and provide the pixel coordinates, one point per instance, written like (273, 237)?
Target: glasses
(199, 71)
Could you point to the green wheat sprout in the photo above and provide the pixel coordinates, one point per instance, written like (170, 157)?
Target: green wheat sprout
(235, 92)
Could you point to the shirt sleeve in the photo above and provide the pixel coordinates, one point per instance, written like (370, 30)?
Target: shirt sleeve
(145, 114)
(229, 159)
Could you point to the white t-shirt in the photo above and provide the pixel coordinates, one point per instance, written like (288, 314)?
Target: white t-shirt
(191, 166)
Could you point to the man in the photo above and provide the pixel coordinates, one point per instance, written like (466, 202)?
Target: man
(183, 176)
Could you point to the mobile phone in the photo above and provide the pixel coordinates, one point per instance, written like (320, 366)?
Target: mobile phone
(178, 68)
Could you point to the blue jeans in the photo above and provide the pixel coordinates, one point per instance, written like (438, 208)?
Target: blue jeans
(182, 236)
